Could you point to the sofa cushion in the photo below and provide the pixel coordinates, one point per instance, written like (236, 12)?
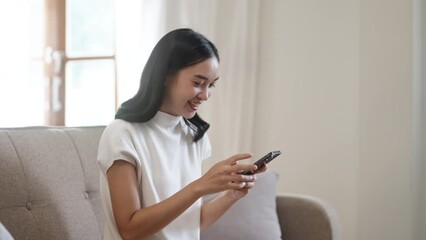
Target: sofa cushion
(252, 218)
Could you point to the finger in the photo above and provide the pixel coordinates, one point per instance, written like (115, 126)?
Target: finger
(233, 185)
(249, 185)
(237, 185)
(262, 169)
(233, 160)
(242, 185)
(243, 178)
(238, 168)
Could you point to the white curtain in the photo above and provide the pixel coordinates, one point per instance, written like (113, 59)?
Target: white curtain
(232, 26)
(419, 116)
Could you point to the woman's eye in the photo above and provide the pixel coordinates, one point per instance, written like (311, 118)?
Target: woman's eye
(197, 84)
(212, 85)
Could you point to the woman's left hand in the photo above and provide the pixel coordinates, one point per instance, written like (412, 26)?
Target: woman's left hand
(237, 194)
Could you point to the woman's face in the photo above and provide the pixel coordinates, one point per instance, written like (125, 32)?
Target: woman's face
(190, 87)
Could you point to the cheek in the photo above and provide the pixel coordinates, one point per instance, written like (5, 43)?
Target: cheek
(192, 92)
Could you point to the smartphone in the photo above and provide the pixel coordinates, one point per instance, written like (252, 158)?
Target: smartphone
(264, 160)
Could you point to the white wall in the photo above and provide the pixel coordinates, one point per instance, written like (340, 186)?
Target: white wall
(335, 95)
(385, 120)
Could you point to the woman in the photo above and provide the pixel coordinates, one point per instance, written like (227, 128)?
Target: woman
(151, 155)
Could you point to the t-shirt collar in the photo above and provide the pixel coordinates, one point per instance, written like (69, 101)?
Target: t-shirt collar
(167, 120)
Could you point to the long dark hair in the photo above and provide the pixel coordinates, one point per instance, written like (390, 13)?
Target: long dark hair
(176, 50)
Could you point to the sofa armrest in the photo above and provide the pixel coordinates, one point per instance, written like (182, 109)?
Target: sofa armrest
(304, 217)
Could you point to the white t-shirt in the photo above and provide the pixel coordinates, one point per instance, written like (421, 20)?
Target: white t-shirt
(166, 160)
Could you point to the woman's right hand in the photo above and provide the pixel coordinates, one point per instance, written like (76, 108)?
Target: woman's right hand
(226, 175)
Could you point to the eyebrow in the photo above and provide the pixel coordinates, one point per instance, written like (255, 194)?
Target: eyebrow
(203, 77)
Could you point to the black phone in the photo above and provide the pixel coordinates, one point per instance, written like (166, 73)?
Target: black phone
(264, 160)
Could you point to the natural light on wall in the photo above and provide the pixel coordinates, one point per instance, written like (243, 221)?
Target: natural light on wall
(21, 65)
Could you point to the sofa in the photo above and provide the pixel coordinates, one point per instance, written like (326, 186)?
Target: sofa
(49, 190)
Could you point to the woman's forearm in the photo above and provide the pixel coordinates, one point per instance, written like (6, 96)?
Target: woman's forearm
(213, 210)
(150, 220)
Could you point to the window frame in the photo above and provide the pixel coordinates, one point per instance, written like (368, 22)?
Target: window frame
(56, 59)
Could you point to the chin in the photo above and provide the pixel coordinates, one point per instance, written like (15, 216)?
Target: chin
(189, 115)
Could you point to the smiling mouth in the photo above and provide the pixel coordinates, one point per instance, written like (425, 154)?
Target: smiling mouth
(194, 105)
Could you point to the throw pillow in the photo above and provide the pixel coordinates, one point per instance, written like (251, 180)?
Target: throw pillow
(253, 217)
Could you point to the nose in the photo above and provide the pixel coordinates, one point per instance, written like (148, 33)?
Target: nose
(204, 94)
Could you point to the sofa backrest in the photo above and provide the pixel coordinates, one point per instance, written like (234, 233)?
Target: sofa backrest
(49, 183)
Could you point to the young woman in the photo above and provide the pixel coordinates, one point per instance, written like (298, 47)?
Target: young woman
(151, 155)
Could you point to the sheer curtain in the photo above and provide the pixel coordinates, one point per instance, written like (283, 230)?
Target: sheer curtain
(232, 26)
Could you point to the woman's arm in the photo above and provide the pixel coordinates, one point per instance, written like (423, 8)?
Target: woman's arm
(135, 222)
(213, 210)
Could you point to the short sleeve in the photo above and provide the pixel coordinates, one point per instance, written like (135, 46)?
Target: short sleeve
(116, 143)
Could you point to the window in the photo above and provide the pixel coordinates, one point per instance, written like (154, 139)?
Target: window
(58, 62)
(90, 86)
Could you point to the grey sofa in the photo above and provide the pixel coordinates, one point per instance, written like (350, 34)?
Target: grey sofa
(49, 189)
